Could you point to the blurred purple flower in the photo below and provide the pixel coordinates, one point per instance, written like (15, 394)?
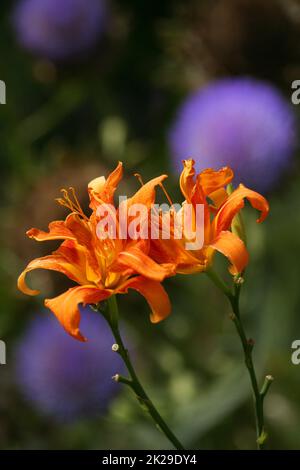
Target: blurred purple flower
(243, 123)
(63, 377)
(59, 29)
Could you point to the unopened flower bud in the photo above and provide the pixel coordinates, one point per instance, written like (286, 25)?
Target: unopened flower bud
(239, 280)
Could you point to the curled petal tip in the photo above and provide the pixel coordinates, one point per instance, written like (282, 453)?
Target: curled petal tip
(31, 232)
(154, 318)
(74, 332)
(188, 162)
(79, 336)
(264, 213)
(22, 286)
(65, 306)
(26, 290)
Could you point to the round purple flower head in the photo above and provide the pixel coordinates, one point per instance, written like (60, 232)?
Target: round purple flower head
(241, 123)
(59, 29)
(63, 377)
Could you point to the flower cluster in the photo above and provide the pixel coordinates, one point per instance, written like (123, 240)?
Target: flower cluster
(59, 29)
(101, 267)
(241, 122)
(208, 189)
(104, 266)
(63, 378)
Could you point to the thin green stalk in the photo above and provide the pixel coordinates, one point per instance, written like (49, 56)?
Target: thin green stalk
(134, 383)
(218, 281)
(247, 345)
(247, 348)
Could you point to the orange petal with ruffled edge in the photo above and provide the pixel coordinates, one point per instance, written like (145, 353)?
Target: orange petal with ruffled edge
(211, 180)
(81, 258)
(173, 252)
(80, 229)
(65, 260)
(235, 203)
(146, 194)
(231, 246)
(187, 179)
(216, 199)
(142, 264)
(115, 177)
(102, 189)
(72, 252)
(57, 231)
(154, 293)
(65, 306)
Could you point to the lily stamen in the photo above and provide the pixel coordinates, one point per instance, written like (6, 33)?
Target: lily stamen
(167, 195)
(74, 205)
(139, 178)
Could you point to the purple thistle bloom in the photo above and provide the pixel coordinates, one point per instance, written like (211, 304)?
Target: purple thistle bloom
(59, 29)
(63, 377)
(242, 123)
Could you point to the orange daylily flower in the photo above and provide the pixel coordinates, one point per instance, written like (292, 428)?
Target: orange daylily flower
(100, 267)
(209, 189)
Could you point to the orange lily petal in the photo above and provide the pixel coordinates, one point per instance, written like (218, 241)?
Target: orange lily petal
(231, 246)
(65, 306)
(142, 264)
(79, 229)
(211, 180)
(154, 293)
(70, 264)
(83, 235)
(146, 194)
(172, 251)
(102, 189)
(234, 203)
(115, 177)
(187, 179)
(81, 259)
(217, 198)
(57, 231)
(72, 252)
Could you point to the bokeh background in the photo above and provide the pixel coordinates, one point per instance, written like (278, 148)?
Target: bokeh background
(149, 83)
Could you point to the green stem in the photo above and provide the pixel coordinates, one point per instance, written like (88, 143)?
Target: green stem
(267, 384)
(247, 346)
(134, 383)
(218, 281)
